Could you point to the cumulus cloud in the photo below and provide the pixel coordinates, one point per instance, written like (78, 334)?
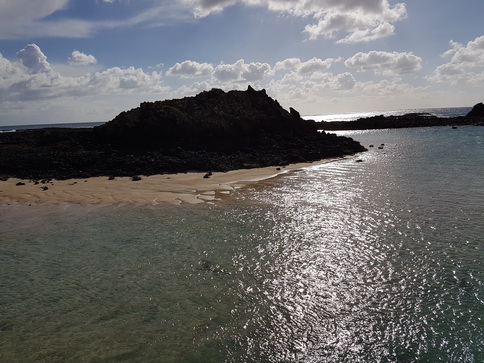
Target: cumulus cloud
(240, 71)
(466, 64)
(344, 81)
(386, 63)
(307, 81)
(32, 79)
(349, 20)
(359, 25)
(34, 60)
(79, 58)
(308, 67)
(190, 69)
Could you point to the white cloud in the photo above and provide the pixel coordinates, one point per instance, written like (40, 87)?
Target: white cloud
(241, 72)
(356, 21)
(344, 81)
(34, 60)
(256, 71)
(190, 69)
(386, 63)
(79, 58)
(33, 79)
(349, 21)
(388, 88)
(465, 66)
(305, 68)
(118, 80)
(315, 65)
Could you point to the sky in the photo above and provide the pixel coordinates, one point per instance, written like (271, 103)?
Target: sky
(88, 60)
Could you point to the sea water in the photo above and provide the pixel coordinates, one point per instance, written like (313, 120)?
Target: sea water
(351, 116)
(374, 258)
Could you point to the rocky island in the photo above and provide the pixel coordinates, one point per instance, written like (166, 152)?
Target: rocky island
(213, 131)
(475, 117)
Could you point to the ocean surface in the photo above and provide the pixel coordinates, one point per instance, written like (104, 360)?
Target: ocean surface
(351, 116)
(77, 125)
(374, 258)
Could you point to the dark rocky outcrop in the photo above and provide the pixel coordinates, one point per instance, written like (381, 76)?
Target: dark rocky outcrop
(213, 131)
(475, 117)
(477, 110)
(212, 120)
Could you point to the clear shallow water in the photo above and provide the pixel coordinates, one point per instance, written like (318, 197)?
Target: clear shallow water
(379, 260)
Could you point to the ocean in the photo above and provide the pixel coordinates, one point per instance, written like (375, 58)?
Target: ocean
(72, 125)
(373, 258)
(351, 116)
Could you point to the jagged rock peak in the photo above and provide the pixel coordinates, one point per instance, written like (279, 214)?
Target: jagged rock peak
(213, 117)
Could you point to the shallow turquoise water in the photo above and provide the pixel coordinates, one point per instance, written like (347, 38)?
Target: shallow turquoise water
(379, 260)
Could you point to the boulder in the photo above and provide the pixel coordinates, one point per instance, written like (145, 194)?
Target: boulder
(477, 110)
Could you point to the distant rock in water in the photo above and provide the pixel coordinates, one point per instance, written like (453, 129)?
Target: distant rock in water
(477, 110)
(475, 117)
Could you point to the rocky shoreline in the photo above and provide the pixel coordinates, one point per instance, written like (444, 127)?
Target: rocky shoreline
(213, 131)
(474, 118)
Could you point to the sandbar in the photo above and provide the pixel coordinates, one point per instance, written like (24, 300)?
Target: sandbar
(191, 187)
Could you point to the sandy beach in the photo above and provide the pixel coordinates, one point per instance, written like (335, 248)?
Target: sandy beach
(191, 188)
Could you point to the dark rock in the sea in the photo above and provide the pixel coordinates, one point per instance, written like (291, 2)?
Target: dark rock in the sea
(214, 130)
(404, 121)
(20, 183)
(208, 266)
(477, 110)
(135, 178)
(5, 326)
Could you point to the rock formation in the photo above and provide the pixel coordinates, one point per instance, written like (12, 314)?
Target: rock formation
(213, 131)
(474, 117)
(212, 120)
(477, 110)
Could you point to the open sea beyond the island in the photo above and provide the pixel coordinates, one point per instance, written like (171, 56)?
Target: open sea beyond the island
(373, 258)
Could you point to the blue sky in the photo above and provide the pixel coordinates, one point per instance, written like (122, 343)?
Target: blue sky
(88, 60)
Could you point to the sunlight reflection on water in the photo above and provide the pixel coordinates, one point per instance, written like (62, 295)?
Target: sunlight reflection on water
(362, 269)
(378, 260)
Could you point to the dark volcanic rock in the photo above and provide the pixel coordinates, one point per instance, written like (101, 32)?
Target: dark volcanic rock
(477, 110)
(212, 120)
(403, 121)
(213, 131)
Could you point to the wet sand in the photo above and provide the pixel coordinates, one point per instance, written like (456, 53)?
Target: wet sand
(166, 188)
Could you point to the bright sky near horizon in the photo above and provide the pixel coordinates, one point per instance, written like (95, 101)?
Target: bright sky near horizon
(88, 60)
